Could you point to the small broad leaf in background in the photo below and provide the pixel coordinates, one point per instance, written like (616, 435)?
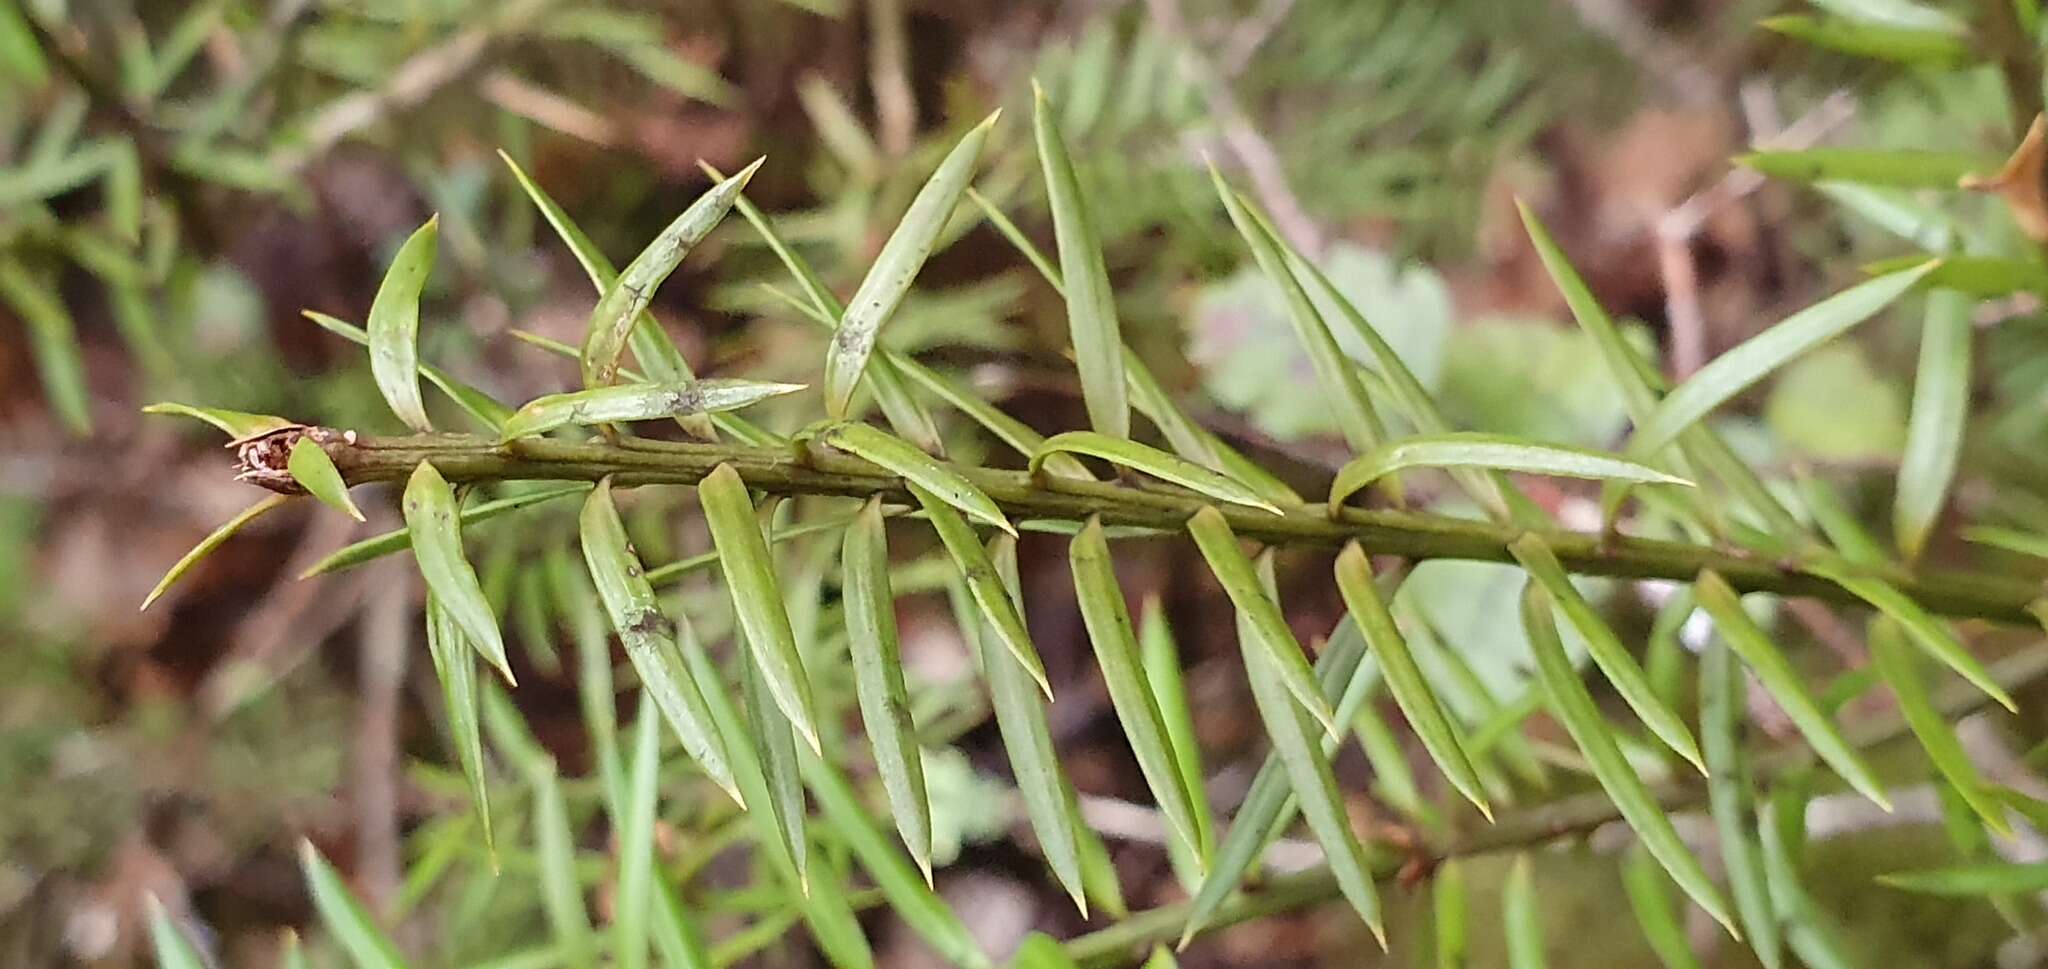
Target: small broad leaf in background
(431, 519)
(455, 668)
(878, 680)
(1614, 659)
(1091, 308)
(1934, 434)
(896, 456)
(394, 326)
(757, 597)
(1896, 664)
(212, 541)
(612, 321)
(237, 425)
(1404, 678)
(345, 917)
(1594, 737)
(1832, 406)
(996, 605)
(638, 402)
(1782, 681)
(1108, 622)
(1152, 461)
(1735, 371)
(1212, 534)
(1972, 881)
(1466, 449)
(315, 471)
(649, 638)
(896, 267)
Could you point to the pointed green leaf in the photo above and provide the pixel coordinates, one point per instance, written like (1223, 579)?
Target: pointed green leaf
(1404, 677)
(1522, 918)
(1091, 308)
(1723, 709)
(1108, 622)
(1934, 432)
(776, 743)
(757, 597)
(1570, 702)
(455, 668)
(1735, 371)
(53, 340)
(1895, 663)
(1613, 658)
(1970, 881)
(878, 680)
(1308, 772)
(1161, 958)
(2009, 539)
(1160, 657)
(432, 521)
(1898, 169)
(1016, 237)
(1775, 672)
(1005, 623)
(1903, 45)
(910, 897)
(315, 471)
(1152, 461)
(1212, 534)
(213, 540)
(638, 402)
(345, 917)
(373, 548)
(896, 267)
(877, 447)
(1985, 277)
(1649, 896)
(1041, 951)
(237, 425)
(172, 949)
(1464, 449)
(611, 323)
(649, 638)
(1027, 737)
(476, 403)
(561, 888)
(632, 909)
(1335, 373)
(394, 326)
(1929, 633)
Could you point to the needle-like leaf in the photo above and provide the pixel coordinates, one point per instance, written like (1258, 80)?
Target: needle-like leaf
(1972, 881)
(1449, 906)
(432, 521)
(53, 340)
(455, 668)
(476, 403)
(1404, 677)
(1212, 534)
(212, 541)
(379, 546)
(394, 326)
(1897, 169)
(611, 323)
(1152, 461)
(1613, 658)
(1162, 663)
(757, 597)
(1934, 432)
(1091, 310)
(1723, 706)
(1896, 665)
(1775, 672)
(172, 949)
(632, 912)
(1570, 702)
(1649, 895)
(1926, 631)
(1755, 358)
(1522, 918)
(345, 917)
(1116, 652)
(649, 637)
(777, 745)
(1005, 623)
(638, 402)
(899, 457)
(896, 267)
(561, 888)
(315, 471)
(1464, 449)
(878, 680)
(237, 425)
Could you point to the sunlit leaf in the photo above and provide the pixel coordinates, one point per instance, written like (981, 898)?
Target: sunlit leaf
(757, 597)
(1934, 434)
(1091, 308)
(1465, 449)
(432, 522)
(878, 680)
(1212, 534)
(346, 918)
(315, 471)
(212, 541)
(892, 454)
(649, 637)
(623, 302)
(1570, 702)
(394, 326)
(894, 268)
(1784, 684)
(638, 402)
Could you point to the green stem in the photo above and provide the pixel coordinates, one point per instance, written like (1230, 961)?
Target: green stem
(1126, 941)
(466, 458)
